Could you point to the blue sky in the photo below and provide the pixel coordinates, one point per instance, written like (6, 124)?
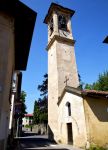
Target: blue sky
(89, 27)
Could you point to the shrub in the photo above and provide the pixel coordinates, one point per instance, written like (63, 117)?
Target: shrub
(94, 147)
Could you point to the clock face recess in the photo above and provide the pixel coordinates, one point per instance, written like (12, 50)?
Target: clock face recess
(64, 33)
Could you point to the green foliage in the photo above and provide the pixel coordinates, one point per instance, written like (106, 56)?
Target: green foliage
(101, 84)
(43, 117)
(103, 81)
(36, 113)
(80, 82)
(23, 96)
(40, 114)
(28, 126)
(43, 88)
(23, 107)
(88, 86)
(94, 147)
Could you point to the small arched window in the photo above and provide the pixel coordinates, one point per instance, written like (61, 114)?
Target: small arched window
(62, 23)
(69, 108)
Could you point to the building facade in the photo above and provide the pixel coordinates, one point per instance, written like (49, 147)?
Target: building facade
(14, 49)
(27, 120)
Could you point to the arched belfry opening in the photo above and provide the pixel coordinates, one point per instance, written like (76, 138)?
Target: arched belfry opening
(51, 26)
(62, 22)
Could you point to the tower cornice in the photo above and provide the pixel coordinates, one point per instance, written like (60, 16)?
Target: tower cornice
(60, 39)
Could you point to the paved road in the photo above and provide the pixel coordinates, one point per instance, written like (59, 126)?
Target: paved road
(31, 141)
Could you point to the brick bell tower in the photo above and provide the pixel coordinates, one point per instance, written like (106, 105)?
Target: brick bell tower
(61, 61)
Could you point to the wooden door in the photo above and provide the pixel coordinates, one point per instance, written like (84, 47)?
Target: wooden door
(69, 133)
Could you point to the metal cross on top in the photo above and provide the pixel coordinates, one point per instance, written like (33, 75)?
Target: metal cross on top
(66, 80)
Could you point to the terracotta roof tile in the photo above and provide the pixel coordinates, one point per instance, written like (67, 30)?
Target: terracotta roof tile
(28, 115)
(94, 92)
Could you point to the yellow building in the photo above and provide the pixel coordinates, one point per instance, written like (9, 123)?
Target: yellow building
(96, 116)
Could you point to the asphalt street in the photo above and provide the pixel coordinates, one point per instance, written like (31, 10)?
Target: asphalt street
(31, 141)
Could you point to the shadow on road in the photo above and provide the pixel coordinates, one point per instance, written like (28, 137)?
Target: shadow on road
(31, 141)
(26, 134)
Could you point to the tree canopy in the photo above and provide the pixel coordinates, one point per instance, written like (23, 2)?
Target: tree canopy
(40, 114)
(43, 88)
(80, 82)
(101, 84)
(36, 114)
(23, 98)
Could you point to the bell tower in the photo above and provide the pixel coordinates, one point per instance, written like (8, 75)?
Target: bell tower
(61, 61)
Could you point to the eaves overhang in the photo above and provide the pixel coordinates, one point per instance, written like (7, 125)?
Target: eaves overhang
(95, 93)
(83, 93)
(106, 40)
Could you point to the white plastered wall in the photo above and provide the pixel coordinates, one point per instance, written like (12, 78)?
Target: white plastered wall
(77, 119)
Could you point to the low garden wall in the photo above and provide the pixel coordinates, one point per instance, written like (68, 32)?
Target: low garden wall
(40, 129)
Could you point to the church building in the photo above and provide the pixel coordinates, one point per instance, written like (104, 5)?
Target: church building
(77, 117)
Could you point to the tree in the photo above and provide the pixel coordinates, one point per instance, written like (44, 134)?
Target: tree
(101, 84)
(80, 82)
(43, 110)
(43, 88)
(88, 86)
(23, 107)
(36, 113)
(41, 105)
(20, 113)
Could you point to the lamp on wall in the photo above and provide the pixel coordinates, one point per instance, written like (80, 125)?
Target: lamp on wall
(106, 96)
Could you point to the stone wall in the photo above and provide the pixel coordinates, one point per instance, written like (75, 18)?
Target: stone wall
(40, 129)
